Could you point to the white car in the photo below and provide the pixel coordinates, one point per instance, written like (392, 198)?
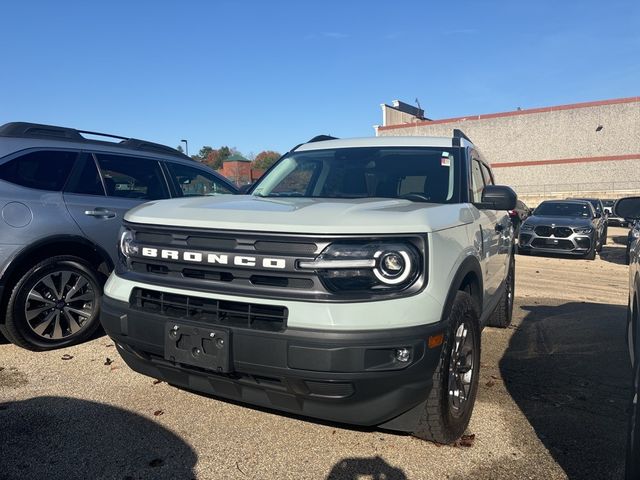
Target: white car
(351, 284)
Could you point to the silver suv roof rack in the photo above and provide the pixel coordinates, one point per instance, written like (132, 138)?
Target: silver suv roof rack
(36, 130)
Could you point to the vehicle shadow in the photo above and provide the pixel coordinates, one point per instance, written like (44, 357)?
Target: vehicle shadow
(356, 468)
(567, 368)
(613, 255)
(60, 437)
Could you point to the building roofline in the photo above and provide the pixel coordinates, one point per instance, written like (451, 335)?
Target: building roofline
(529, 111)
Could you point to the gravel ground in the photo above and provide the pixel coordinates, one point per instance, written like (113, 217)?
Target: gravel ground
(551, 404)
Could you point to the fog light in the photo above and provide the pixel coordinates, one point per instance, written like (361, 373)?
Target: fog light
(403, 354)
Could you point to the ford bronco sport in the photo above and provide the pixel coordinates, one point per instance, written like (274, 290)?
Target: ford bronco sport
(351, 284)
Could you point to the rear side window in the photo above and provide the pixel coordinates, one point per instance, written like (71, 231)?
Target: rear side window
(195, 182)
(43, 170)
(132, 177)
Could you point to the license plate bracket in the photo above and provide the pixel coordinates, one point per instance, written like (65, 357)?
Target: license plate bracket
(199, 346)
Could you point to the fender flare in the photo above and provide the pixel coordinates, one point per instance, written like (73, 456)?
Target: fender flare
(469, 265)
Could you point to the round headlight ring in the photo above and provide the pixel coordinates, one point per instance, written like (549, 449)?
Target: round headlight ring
(385, 259)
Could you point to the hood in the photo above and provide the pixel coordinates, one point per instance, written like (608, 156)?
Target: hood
(559, 221)
(302, 215)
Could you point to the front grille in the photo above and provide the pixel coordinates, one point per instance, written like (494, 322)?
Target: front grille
(219, 312)
(561, 245)
(543, 231)
(558, 232)
(562, 232)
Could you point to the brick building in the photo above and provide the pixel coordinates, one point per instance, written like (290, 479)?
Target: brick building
(588, 148)
(238, 169)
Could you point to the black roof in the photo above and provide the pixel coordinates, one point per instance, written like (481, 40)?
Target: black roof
(52, 132)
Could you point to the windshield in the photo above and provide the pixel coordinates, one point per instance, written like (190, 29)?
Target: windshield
(417, 174)
(564, 209)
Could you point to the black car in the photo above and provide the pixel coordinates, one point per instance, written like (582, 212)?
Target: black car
(630, 208)
(634, 232)
(561, 226)
(612, 219)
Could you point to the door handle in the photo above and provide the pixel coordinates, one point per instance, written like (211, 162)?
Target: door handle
(499, 228)
(100, 213)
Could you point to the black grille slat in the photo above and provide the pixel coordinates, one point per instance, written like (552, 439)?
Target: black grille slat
(220, 312)
(558, 232)
(266, 246)
(543, 231)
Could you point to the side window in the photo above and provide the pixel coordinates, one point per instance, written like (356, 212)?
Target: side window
(477, 182)
(196, 182)
(132, 177)
(44, 170)
(85, 179)
(488, 176)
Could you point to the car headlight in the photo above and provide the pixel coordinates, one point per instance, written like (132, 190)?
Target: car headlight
(583, 231)
(375, 266)
(127, 245)
(526, 227)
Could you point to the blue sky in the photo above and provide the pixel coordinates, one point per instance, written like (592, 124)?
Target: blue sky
(261, 75)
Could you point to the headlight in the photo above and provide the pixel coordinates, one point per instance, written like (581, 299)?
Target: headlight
(376, 266)
(583, 231)
(526, 227)
(127, 245)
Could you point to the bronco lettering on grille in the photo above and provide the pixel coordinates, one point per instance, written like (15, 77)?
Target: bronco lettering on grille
(214, 258)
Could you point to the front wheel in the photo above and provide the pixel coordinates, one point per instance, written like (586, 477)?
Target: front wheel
(55, 304)
(448, 408)
(591, 254)
(503, 313)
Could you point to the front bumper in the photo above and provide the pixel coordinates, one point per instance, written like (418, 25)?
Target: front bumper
(575, 244)
(342, 376)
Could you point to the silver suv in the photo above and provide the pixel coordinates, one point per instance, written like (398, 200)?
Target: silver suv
(62, 200)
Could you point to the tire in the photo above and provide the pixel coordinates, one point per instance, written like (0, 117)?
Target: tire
(591, 254)
(503, 313)
(55, 304)
(441, 421)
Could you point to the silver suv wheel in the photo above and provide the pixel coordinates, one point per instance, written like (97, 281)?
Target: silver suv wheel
(60, 304)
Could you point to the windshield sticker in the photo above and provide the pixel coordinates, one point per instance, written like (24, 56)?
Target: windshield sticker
(445, 161)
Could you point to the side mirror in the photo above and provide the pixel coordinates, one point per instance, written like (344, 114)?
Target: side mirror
(627, 208)
(597, 215)
(498, 197)
(245, 188)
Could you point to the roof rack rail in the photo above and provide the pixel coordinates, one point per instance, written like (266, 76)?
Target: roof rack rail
(458, 135)
(36, 130)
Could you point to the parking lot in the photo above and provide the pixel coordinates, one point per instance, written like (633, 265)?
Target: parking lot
(552, 403)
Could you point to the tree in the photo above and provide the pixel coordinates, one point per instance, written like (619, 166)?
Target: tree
(204, 152)
(265, 159)
(180, 149)
(215, 158)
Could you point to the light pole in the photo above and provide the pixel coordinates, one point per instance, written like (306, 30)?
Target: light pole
(186, 146)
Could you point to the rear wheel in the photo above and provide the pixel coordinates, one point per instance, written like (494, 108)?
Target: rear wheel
(55, 304)
(448, 408)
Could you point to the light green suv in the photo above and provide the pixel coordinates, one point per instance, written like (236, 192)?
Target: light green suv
(351, 284)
